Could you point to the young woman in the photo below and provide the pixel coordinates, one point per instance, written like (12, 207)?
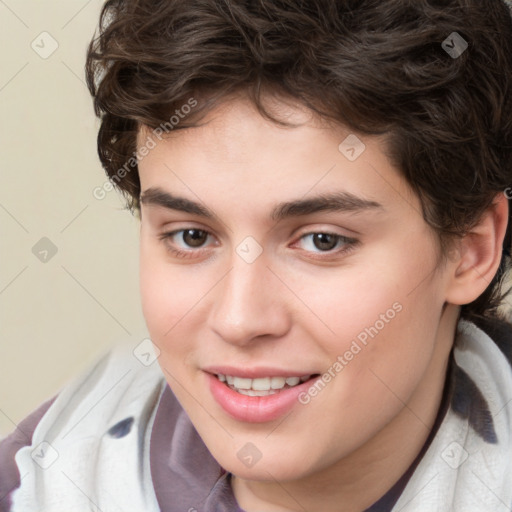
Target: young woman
(323, 190)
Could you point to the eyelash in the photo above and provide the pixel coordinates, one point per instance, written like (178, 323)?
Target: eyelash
(348, 244)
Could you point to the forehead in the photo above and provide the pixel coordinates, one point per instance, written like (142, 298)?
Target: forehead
(236, 120)
(237, 155)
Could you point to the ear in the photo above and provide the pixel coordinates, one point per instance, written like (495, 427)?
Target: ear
(478, 255)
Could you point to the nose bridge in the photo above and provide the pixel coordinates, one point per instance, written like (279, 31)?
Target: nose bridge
(246, 304)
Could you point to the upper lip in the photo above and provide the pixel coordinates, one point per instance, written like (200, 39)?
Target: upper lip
(255, 373)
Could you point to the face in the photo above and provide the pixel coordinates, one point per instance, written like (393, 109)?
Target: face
(275, 258)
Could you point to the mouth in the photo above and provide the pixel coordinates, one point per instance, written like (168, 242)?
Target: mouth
(261, 386)
(260, 398)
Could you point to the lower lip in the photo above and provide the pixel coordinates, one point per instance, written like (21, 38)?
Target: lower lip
(256, 409)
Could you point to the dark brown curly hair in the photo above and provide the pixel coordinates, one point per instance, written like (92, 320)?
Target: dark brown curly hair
(376, 67)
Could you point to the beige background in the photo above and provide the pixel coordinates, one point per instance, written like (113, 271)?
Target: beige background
(56, 316)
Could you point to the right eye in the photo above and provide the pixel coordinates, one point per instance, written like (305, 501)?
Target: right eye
(186, 242)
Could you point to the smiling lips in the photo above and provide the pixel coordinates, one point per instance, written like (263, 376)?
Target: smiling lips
(258, 399)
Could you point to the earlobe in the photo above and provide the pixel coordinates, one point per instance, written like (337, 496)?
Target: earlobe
(479, 254)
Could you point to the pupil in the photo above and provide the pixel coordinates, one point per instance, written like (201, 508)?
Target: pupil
(325, 241)
(194, 237)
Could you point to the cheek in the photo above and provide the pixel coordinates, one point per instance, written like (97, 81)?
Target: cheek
(156, 293)
(168, 292)
(394, 358)
(345, 304)
(390, 290)
(377, 326)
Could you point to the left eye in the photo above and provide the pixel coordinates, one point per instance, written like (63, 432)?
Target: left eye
(324, 242)
(189, 238)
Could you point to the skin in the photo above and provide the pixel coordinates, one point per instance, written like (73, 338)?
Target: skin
(298, 307)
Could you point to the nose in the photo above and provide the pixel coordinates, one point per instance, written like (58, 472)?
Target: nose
(249, 304)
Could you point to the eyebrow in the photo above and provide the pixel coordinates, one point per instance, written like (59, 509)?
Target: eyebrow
(334, 202)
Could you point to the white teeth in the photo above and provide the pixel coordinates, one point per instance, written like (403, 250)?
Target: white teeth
(241, 383)
(277, 382)
(261, 386)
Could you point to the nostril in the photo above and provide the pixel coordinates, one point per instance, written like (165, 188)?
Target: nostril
(121, 429)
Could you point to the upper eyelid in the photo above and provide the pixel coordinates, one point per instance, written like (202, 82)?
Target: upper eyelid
(297, 232)
(296, 235)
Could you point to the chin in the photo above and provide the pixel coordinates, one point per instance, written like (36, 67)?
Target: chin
(268, 469)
